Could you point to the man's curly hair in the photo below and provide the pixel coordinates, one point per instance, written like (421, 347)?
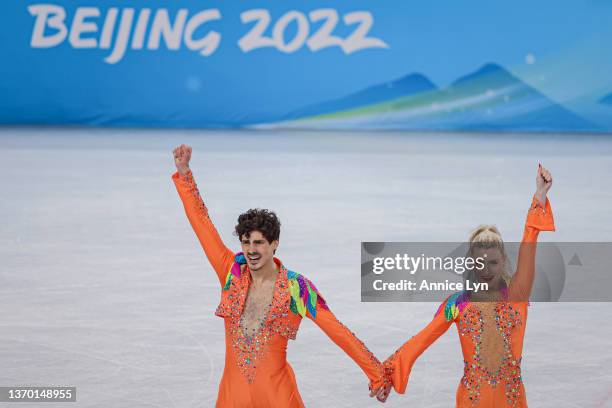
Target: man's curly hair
(257, 219)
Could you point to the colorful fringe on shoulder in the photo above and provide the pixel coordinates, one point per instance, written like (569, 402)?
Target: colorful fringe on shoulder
(455, 304)
(304, 295)
(239, 260)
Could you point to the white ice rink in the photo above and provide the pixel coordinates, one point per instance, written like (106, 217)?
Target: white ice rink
(103, 285)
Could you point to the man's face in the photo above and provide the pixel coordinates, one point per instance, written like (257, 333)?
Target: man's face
(257, 250)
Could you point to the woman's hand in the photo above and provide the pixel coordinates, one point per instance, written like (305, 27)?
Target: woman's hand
(381, 393)
(182, 155)
(543, 183)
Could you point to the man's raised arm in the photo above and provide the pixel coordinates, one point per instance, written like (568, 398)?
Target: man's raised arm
(220, 257)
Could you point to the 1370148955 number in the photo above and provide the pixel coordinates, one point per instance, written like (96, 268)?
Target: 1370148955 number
(322, 38)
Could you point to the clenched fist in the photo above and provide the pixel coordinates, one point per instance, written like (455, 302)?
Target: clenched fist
(543, 183)
(182, 155)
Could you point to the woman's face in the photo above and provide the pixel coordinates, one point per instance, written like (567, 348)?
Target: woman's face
(492, 272)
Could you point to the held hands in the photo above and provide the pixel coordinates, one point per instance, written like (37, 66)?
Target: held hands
(543, 183)
(381, 393)
(182, 155)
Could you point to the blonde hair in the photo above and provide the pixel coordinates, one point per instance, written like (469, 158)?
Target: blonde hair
(487, 236)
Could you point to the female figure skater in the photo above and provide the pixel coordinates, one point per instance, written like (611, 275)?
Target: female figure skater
(491, 324)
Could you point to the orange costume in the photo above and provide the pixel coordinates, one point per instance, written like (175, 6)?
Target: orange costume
(491, 333)
(256, 371)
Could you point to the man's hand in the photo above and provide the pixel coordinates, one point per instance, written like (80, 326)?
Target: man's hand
(182, 155)
(543, 183)
(381, 393)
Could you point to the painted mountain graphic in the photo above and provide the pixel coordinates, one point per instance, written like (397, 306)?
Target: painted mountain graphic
(606, 100)
(408, 85)
(490, 98)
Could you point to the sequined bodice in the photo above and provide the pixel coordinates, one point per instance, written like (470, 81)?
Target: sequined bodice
(489, 328)
(492, 345)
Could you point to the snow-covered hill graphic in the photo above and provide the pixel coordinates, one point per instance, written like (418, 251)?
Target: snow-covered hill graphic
(409, 85)
(491, 98)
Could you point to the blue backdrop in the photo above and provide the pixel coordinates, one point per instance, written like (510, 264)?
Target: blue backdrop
(469, 65)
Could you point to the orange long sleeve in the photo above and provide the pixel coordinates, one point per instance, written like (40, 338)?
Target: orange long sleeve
(220, 257)
(539, 218)
(350, 343)
(399, 365)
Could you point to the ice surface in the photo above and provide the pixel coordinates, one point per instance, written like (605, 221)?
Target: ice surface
(103, 285)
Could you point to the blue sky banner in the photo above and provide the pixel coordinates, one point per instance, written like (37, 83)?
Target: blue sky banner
(417, 65)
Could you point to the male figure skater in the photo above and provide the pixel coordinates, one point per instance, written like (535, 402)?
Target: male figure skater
(262, 303)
